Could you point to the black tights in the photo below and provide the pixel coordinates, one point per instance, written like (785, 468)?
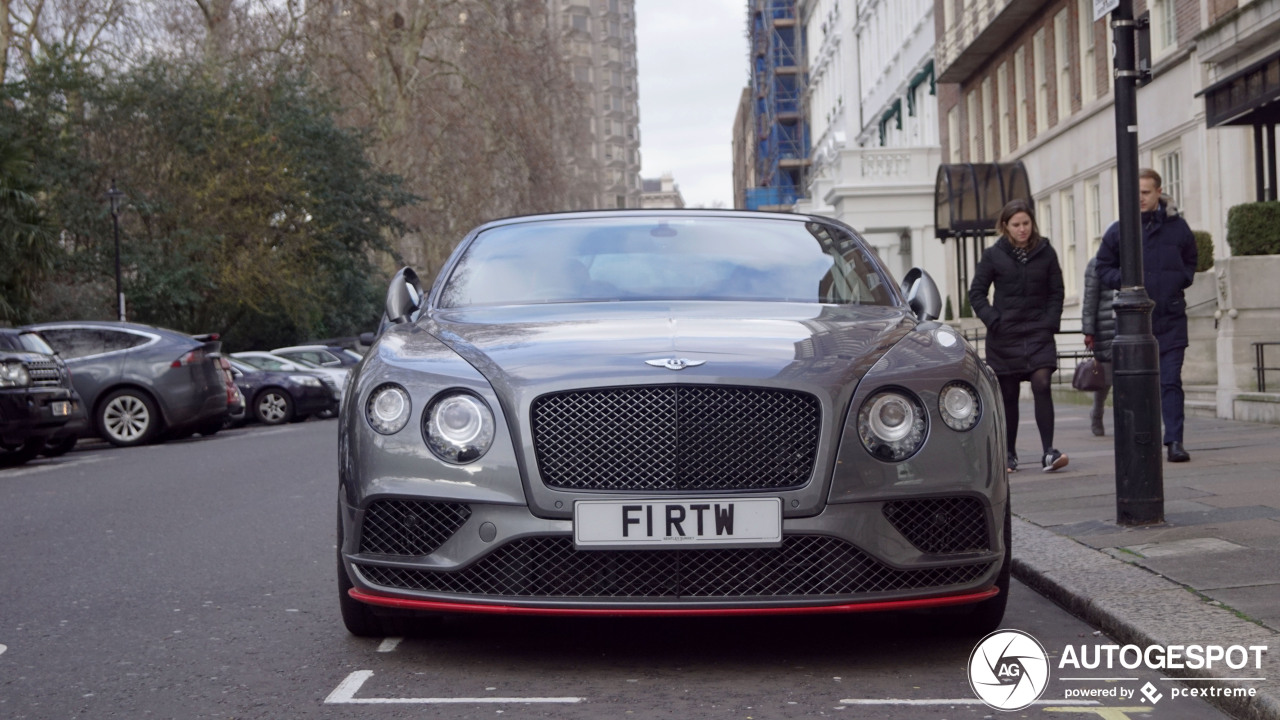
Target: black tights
(1009, 388)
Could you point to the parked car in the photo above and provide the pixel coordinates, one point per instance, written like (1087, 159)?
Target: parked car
(335, 377)
(274, 397)
(139, 382)
(665, 413)
(333, 356)
(236, 409)
(34, 403)
(63, 439)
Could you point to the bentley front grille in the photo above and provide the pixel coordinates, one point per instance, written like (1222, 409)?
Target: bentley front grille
(676, 437)
(410, 527)
(550, 567)
(941, 525)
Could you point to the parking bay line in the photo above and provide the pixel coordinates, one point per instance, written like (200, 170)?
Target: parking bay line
(344, 694)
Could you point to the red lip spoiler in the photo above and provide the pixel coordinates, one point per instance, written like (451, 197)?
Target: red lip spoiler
(454, 607)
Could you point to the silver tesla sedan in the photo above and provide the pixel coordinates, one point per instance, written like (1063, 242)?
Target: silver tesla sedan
(669, 413)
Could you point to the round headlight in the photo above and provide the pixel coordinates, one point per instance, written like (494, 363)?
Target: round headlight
(458, 427)
(388, 409)
(960, 406)
(892, 425)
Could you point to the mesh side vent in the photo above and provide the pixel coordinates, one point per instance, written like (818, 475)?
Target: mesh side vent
(941, 525)
(550, 567)
(410, 527)
(676, 437)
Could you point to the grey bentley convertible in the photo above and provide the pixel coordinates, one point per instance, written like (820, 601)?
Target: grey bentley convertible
(669, 413)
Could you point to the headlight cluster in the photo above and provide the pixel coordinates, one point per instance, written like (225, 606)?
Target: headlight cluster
(457, 426)
(14, 374)
(892, 425)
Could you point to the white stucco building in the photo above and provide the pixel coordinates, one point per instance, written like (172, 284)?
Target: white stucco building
(872, 108)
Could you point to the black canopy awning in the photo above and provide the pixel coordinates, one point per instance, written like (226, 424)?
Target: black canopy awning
(1248, 97)
(970, 196)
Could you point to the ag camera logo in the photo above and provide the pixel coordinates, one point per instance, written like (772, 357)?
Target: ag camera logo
(1008, 670)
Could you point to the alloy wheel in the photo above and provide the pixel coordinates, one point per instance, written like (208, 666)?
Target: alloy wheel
(126, 418)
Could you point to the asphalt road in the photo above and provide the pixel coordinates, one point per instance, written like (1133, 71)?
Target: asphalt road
(195, 579)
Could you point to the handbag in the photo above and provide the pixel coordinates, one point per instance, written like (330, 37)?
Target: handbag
(1089, 376)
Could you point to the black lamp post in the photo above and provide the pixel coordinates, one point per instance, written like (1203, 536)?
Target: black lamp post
(115, 196)
(1139, 473)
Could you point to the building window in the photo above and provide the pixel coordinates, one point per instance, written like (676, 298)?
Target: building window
(1164, 27)
(1020, 95)
(1111, 49)
(1169, 163)
(1045, 221)
(580, 22)
(1041, 79)
(988, 122)
(1088, 63)
(1060, 55)
(621, 200)
(1002, 107)
(1093, 215)
(973, 118)
(953, 134)
(1068, 243)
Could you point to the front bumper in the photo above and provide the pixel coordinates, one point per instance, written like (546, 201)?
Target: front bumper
(499, 558)
(27, 413)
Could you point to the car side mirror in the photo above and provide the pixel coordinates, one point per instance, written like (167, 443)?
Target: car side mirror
(922, 295)
(404, 296)
(367, 338)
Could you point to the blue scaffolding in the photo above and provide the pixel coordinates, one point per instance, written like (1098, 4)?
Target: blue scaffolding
(777, 85)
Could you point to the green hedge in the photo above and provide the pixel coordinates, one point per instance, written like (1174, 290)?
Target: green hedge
(1204, 250)
(1254, 229)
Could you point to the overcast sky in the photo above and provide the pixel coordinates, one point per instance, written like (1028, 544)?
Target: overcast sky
(692, 58)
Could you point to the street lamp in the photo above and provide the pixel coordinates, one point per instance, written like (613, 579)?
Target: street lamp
(115, 196)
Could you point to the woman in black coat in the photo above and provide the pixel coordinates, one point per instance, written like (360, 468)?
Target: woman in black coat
(1021, 321)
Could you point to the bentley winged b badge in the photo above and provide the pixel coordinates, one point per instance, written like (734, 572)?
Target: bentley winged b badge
(674, 363)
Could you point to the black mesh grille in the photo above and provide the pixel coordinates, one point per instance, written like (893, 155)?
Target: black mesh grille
(44, 373)
(676, 437)
(941, 525)
(410, 527)
(550, 567)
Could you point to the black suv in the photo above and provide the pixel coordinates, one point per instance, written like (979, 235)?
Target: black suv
(36, 399)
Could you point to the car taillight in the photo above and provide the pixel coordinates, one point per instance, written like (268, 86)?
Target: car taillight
(192, 358)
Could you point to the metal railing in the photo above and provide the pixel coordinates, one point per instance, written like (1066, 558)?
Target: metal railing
(1259, 353)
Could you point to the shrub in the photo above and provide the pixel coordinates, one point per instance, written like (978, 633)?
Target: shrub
(1254, 229)
(1204, 250)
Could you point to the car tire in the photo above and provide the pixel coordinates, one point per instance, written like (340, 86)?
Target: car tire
(127, 418)
(59, 446)
(273, 406)
(327, 414)
(21, 454)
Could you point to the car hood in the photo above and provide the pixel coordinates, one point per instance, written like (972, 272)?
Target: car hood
(548, 347)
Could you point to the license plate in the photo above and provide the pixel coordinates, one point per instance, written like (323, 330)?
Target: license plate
(61, 407)
(604, 524)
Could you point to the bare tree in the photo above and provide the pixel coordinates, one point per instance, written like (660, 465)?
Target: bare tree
(98, 31)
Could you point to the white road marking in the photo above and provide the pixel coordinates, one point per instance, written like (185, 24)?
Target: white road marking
(960, 701)
(389, 644)
(3, 648)
(344, 694)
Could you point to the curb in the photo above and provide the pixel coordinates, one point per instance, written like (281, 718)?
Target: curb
(1136, 606)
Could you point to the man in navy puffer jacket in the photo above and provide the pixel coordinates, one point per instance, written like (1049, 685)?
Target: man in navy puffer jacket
(1168, 268)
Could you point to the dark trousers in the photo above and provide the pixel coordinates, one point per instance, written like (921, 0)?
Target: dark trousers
(1171, 395)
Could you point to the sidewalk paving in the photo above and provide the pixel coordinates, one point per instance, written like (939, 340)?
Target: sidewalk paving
(1209, 575)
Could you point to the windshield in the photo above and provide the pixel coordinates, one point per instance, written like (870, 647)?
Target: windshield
(34, 343)
(666, 258)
